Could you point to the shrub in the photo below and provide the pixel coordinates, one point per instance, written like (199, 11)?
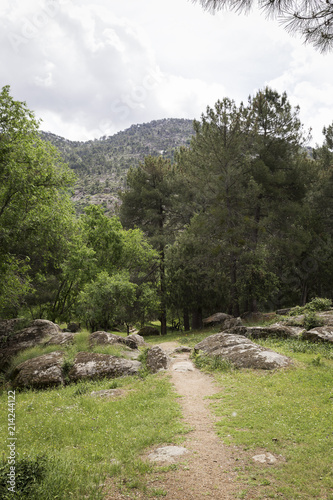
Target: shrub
(316, 304)
(311, 320)
(319, 304)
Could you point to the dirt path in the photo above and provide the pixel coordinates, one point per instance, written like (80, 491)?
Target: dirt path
(208, 471)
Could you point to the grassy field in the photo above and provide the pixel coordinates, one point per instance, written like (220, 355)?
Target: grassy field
(76, 440)
(69, 442)
(287, 413)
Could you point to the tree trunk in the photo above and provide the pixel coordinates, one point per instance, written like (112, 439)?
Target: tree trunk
(304, 297)
(163, 315)
(196, 318)
(186, 318)
(234, 302)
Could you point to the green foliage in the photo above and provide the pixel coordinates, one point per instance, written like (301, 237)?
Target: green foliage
(248, 179)
(315, 305)
(35, 211)
(28, 474)
(15, 284)
(311, 320)
(106, 300)
(212, 363)
(319, 304)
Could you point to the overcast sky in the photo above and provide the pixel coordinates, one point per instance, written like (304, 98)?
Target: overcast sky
(92, 68)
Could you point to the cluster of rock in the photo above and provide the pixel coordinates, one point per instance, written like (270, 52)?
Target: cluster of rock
(52, 369)
(241, 351)
(233, 342)
(39, 332)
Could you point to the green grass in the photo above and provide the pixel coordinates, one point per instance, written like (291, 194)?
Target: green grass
(184, 338)
(288, 413)
(80, 440)
(84, 439)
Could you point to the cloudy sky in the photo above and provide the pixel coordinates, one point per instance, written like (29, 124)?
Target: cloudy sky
(90, 68)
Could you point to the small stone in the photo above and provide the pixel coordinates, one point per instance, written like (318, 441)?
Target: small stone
(265, 458)
(157, 359)
(183, 366)
(167, 454)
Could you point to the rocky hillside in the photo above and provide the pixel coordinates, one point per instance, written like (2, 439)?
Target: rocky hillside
(101, 165)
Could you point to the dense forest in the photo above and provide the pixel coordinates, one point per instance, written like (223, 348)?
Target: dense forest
(238, 219)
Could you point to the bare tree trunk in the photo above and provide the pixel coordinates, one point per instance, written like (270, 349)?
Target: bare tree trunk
(196, 318)
(186, 318)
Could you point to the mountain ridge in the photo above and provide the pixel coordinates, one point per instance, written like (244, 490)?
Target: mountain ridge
(101, 165)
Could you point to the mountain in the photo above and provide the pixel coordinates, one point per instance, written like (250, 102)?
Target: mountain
(101, 165)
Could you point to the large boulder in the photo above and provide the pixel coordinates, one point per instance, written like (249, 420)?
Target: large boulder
(148, 331)
(326, 317)
(92, 365)
(262, 332)
(41, 372)
(73, 327)
(104, 338)
(319, 334)
(39, 332)
(157, 359)
(9, 326)
(242, 352)
(138, 340)
(61, 338)
(225, 321)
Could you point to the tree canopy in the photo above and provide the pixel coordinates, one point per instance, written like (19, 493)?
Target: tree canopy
(313, 19)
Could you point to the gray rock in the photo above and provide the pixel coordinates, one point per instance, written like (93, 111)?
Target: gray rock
(148, 331)
(265, 458)
(183, 366)
(132, 341)
(262, 332)
(157, 359)
(224, 320)
(283, 312)
(89, 365)
(73, 327)
(10, 326)
(61, 338)
(319, 334)
(137, 339)
(167, 454)
(107, 393)
(326, 317)
(183, 348)
(242, 352)
(40, 331)
(41, 372)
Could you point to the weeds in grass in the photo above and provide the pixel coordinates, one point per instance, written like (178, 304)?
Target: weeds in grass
(28, 474)
(211, 363)
(297, 346)
(31, 353)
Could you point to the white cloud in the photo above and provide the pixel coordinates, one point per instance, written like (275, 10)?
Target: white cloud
(93, 68)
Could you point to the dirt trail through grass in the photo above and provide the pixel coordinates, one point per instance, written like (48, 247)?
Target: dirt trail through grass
(205, 472)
